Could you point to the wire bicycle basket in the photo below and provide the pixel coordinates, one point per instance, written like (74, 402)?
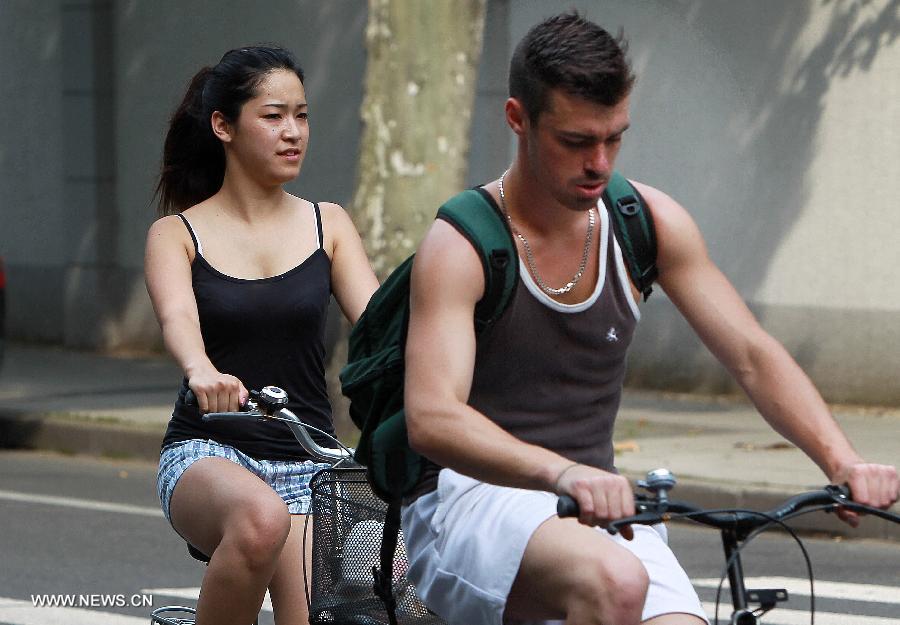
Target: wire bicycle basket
(347, 525)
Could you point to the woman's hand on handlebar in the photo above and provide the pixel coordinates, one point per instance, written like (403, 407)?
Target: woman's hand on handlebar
(218, 392)
(875, 485)
(602, 496)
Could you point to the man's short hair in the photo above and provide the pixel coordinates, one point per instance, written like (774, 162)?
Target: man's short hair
(570, 53)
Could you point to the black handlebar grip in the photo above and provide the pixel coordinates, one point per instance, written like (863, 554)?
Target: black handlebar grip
(566, 507)
(190, 399)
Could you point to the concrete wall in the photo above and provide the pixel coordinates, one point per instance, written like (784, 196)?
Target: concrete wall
(32, 136)
(93, 84)
(774, 123)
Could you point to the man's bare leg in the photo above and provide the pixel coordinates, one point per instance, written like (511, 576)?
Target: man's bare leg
(574, 572)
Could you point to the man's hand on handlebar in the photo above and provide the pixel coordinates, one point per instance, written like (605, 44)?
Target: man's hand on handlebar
(875, 485)
(218, 392)
(602, 497)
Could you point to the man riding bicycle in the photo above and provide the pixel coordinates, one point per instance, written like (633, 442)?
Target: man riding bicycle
(525, 411)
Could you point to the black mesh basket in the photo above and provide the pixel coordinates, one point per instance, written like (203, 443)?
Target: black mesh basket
(347, 525)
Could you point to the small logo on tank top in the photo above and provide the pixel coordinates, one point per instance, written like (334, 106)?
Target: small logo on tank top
(611, 335)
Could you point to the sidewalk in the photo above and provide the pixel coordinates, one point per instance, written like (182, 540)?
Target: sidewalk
(722, 452)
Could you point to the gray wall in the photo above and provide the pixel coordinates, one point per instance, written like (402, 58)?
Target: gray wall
(32, 140)
(93, 84)
(775, 123)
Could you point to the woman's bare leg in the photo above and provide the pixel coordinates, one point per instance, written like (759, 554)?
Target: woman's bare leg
(287, 587)
(237, 519)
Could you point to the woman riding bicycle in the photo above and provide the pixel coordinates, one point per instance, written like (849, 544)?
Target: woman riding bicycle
(240, 273)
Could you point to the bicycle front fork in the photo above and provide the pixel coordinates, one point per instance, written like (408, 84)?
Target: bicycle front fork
(767, 598)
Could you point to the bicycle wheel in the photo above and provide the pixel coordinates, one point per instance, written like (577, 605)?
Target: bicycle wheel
(173, 615)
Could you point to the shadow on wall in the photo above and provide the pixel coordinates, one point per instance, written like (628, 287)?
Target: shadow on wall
(781, 70)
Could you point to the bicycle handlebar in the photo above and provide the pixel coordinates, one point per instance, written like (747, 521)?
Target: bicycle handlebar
(737, 520)
(656, 509)
(269, 403)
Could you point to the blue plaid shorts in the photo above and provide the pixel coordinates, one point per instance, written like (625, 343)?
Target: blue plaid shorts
(289, 479)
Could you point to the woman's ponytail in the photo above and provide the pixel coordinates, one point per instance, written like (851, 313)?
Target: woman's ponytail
(193, 165)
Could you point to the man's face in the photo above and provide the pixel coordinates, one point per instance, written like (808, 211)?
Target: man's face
(572, 147)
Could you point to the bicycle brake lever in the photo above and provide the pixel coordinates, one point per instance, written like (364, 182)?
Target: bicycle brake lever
(644, 518)
(233, 416)
(840, 493)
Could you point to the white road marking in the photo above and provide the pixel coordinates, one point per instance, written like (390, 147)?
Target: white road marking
(17, 612)
(84, 504)
(783, 616)
(778, 616)
(192, 594)
(830, 590)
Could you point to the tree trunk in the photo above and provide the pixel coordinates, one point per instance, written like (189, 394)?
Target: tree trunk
(420, 85)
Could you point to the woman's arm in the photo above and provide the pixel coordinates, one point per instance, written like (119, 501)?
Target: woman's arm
(167, 271)
(352, 278)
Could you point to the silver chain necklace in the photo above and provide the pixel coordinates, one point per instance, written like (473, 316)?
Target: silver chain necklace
(529, 255)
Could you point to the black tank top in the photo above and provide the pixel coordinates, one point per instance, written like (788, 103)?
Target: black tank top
(265, 331)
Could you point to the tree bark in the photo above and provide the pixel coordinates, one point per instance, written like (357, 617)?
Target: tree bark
(417, 108)
(420, 86)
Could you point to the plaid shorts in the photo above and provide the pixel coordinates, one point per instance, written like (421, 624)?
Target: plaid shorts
(289, 479)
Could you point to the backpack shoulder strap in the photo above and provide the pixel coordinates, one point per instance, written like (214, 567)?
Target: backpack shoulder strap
(633, 226)
(477, 218)
(391, 462)
(384, 574)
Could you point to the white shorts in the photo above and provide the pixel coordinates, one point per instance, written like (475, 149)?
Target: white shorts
(465, 542)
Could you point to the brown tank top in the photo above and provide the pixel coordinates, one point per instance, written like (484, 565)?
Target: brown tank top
(551, 374)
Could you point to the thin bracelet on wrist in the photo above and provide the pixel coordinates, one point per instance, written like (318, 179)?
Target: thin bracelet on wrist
(561, 473)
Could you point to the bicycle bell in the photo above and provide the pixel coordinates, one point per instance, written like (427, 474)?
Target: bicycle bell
(660, 482)
(272, 399)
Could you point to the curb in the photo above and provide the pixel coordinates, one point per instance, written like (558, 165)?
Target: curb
(39, 432)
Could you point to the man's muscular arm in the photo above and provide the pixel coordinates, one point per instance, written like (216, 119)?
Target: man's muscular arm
(447, 282)
(779, 389)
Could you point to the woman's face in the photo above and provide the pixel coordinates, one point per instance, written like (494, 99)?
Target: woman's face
(270, 138)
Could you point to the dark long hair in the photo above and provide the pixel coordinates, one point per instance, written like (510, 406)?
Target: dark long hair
(573, 54)
(193, 165)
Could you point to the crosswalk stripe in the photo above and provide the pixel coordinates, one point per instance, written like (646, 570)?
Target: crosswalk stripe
(86, 504)
(830, 590)
(17, 612)
(778, 616)
(192, 594)
(783, 616)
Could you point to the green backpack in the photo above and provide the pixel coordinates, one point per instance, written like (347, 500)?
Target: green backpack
(373, 378)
